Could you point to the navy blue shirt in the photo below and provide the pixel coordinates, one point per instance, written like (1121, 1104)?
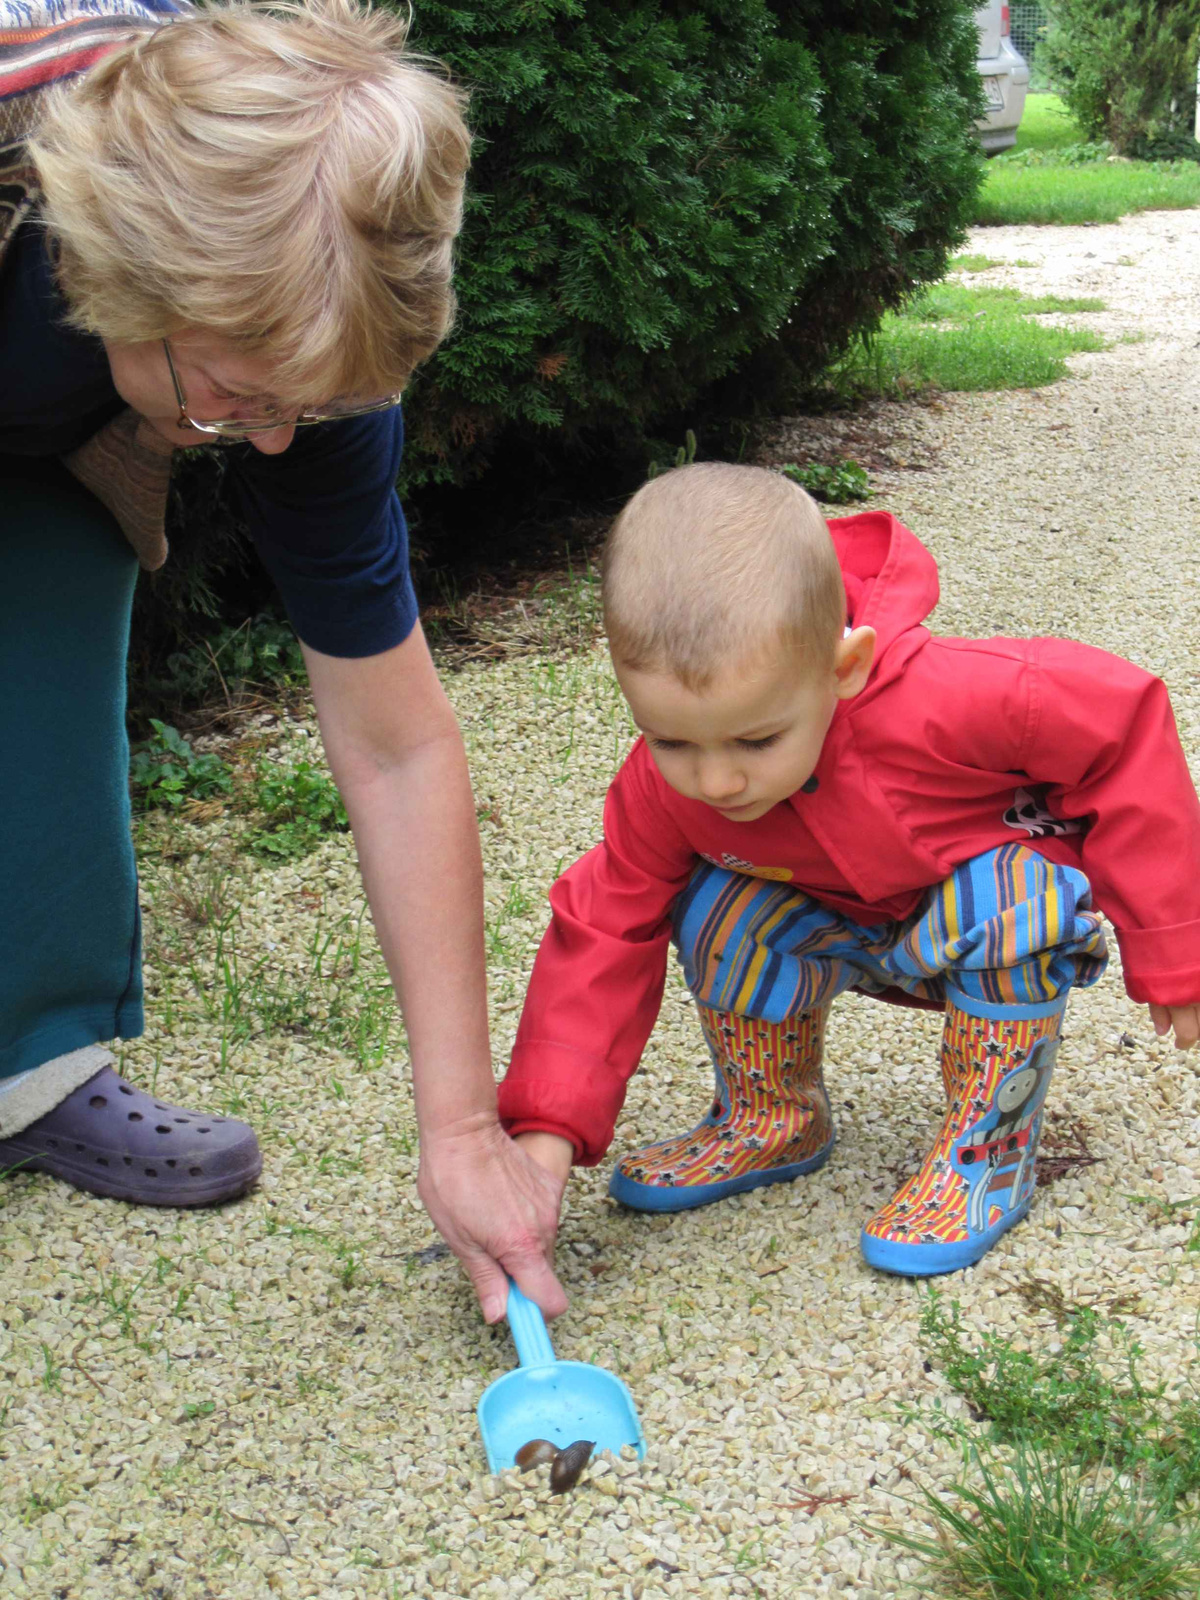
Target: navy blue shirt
(324, 515)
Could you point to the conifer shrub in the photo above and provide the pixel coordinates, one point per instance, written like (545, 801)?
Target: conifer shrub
(1127, 71)
(901, 96)
(667, 194)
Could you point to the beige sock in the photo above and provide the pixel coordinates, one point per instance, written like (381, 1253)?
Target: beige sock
(31, 1095)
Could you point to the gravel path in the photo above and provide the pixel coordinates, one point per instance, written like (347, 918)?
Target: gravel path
(278, 1398)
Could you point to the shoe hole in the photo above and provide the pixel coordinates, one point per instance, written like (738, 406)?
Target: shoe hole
(170, 1163)
(162, 1128)
(203, 1130)
(98, 1100)
(79, 1148)
(125, 1089)
(101, 1161)
(182, 1120)
(218, 1119)
(135, 1116)
(151, 1172)
(195, 1172)
(157, 1107)
(128, 1161)
(53, 1143)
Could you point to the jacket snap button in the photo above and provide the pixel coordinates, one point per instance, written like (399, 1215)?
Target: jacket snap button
(811, 786)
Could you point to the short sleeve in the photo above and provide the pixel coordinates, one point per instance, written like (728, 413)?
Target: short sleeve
(326, 520)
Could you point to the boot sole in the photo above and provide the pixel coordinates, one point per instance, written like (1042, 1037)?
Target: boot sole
(686, 1197)
(931, 1260)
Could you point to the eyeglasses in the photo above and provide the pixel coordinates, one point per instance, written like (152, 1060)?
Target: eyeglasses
(270, 416)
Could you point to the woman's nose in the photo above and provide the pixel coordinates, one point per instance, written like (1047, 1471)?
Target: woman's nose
(275, 442)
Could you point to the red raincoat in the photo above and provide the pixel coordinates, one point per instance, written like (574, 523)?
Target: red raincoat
(953, 747)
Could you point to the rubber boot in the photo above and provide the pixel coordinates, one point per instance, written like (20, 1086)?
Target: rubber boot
(769, 1122)
(978, 1180)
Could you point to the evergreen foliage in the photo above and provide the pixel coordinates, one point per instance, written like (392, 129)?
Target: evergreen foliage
(1127, 71)
(664, 194)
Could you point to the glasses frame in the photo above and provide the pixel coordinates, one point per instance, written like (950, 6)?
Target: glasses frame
(232, 427)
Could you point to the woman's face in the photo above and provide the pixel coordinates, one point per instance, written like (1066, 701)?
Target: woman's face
(217, 381)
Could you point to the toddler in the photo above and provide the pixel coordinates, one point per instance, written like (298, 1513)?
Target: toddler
(827, 797)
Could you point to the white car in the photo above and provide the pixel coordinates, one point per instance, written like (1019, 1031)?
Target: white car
(1005, 78)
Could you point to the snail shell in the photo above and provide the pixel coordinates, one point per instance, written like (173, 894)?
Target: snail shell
(569, 1463)
(534, 1453)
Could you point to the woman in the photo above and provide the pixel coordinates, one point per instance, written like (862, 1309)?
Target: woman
(232, 225)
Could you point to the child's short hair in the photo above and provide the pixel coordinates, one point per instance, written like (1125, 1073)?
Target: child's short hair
(714, 564)
(288, 176)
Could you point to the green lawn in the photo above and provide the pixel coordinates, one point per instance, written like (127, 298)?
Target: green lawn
(954, 337)
(1046, 125)
(1054, 176)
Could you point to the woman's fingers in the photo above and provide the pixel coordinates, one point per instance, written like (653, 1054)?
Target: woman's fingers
(498, 1211)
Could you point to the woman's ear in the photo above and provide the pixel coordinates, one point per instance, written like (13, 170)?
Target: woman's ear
(852, 660)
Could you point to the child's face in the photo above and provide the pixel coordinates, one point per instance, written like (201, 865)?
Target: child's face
(754, 736)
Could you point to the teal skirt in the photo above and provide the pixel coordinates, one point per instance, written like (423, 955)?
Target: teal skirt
(70, 959)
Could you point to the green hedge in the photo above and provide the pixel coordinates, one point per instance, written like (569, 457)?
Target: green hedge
(1127, 71)
(665, 194)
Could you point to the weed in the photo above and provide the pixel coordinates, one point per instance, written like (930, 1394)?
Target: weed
(204, 897)
(1075, 1489)
(234, 666)
(299, 804)
(121, 1299)
(350, 1266)
(1027, 1526)
(194, 1409)
(683, 457)
(1060, 1401)
(837, 484)
(39, 1503)
(52, 1373)
(164, 771)
(1171, 1211)
(1064, 1150)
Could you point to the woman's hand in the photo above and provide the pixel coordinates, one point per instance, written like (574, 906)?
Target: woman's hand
(1184, 1019)
(497, 1208)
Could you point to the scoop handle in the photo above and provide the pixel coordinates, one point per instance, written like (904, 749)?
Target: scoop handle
(528, 1328)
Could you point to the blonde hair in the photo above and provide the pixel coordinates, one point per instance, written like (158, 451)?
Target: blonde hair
(714, 564)
(287, 177)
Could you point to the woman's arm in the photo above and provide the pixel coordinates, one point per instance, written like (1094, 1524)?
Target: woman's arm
(397, 756)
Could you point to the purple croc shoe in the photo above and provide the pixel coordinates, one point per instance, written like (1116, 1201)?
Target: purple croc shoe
(113, 1140)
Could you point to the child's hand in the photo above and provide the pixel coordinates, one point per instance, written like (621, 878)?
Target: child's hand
(1184, 1019)
(549, 1151)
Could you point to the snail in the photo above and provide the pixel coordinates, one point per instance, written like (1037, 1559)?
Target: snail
(568, 1464)
(535, 1453)
(565, 1464)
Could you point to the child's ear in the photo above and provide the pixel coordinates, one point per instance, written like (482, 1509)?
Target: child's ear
(852, 662)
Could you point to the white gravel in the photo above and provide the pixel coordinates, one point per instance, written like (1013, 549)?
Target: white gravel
(277, 1398)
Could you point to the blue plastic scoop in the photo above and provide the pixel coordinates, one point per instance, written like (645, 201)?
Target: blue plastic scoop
(547, 1399)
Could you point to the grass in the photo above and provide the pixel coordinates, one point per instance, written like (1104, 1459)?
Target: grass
(974, 263)
(1078, 1484)
(957, 338)
(1027, 1526)
(1053, 175)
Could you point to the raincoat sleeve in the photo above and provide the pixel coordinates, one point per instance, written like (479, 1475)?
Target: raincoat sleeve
(1101, 735)
(598, 978)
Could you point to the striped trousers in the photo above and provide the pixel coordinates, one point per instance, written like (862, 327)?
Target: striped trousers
(1007, 928)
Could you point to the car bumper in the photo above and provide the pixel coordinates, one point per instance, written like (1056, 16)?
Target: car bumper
(1006, 83)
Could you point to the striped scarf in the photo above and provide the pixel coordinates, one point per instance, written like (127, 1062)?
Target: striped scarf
(44, 43)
